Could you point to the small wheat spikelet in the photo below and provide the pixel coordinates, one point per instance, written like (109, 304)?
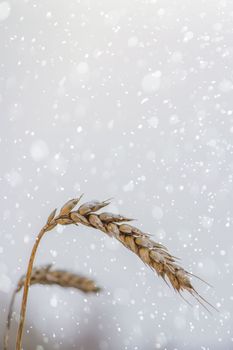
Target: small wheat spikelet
(45, 275)
(151, 253)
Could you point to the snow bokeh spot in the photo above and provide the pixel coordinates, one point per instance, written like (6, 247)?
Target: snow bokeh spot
(153, 122)
(39, 347)
(151, 82)
(188, 36)
(129, 186)
(83, 68)
(225, 86)
(133, 41)
(5, 10)
(157, 213)
(39, 150)
(5, 282)
(54, 301)
(13, 178)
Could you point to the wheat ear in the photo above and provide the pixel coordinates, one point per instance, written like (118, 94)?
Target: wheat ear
(45, 275)
(151, 253)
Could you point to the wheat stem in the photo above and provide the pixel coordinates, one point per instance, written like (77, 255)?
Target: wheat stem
(26, 288)
(8, 323)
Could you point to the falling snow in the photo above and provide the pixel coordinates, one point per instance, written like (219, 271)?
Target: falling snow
(130, 101)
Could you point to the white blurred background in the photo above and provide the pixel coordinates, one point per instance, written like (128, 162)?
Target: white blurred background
(123, 99)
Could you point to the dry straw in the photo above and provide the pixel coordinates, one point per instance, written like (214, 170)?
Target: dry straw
(45, 275)
(151, 253)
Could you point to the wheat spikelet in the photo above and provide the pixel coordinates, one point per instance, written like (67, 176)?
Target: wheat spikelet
(45, 275)
(151, 253)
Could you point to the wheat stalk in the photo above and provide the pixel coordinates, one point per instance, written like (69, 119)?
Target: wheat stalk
(45, 275)
(151, 253)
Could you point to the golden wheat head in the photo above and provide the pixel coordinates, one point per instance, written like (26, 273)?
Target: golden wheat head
(153, 254)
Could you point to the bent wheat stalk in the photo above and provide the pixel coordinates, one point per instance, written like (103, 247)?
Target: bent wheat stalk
(45, 275)
(151, 253)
